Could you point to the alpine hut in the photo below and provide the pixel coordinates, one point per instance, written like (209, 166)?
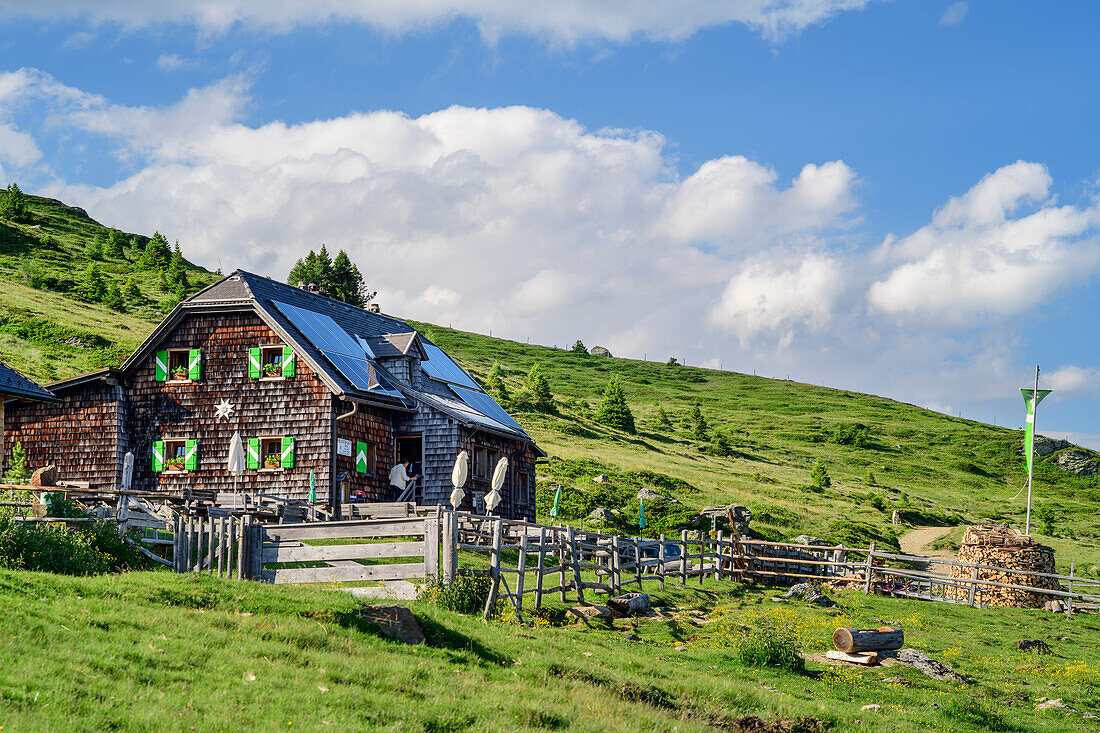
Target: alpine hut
(16, 388)
(312, 384)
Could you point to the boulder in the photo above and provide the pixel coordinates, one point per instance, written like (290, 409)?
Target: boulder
(583, 612)
(45, 476)
(1045, 446)
(924, 664)
(600, 515)
(1078, 462)
(397, 622)
(1057, 702)
(599, 351)
(650, 495)
(810, 594)
(603, 478)
(809, 539)
(1055, 606)
(629, 604)
(872, 707)
(632, 637)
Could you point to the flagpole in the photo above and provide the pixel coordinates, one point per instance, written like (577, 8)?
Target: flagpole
(1031, 449)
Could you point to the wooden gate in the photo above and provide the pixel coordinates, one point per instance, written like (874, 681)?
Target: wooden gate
(329, 552)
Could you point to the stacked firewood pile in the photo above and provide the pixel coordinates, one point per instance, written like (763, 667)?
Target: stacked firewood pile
(1004, 547)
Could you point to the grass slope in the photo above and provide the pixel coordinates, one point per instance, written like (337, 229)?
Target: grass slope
(156, 651)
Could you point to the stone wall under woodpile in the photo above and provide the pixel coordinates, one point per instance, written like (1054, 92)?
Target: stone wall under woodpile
(1004, 547)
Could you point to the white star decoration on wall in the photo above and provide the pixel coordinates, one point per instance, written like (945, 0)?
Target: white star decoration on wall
(223, 410)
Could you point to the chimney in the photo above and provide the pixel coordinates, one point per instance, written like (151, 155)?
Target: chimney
(374, 308)
(301, 284)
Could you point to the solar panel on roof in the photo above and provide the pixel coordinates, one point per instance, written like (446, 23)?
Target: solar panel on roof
(442, 367)
(321, 330)
(366, 347)
(486, 405)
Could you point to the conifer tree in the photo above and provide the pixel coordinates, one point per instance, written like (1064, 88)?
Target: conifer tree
(578, 348)
(114, 245)
(92, 287)
(13, 204)
(177, 271)
(339, 278)
(494, 385)
(613, 410)
(157, 253)
(699, 427)
(662, 417)
(131, 290)
(819, 475)
(542, 399)
(93, 248)
(113, 298)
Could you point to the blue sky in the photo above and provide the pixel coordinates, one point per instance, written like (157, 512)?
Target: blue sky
(897, 197)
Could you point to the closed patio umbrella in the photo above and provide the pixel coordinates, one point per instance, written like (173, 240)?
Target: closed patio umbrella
(236, 462)
(458, 478)
(312, 487)
(492, 499)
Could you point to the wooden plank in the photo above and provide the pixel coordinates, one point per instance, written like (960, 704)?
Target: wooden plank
(541, 567)
(494, 570)
(324, 553)
(864, 658)
(345, 530)
(343, 574)
(431, 548)
(575, 561)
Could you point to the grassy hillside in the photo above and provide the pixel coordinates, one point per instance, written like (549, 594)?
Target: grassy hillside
(880, 454)
(157, 651)
(49, 329)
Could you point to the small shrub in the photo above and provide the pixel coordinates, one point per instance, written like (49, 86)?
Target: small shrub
(91, 549)
(819, 475)
(465, 594)
(17, 472)
(613, 410)
(854, 434)
(769, 643)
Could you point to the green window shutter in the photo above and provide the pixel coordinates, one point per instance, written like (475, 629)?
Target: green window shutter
(158, 456)
(288, 361)
(161, 361)
(254, 370)
(362, 451)
(253, 453)
(191, 455)
(194, 365)
(288, 452)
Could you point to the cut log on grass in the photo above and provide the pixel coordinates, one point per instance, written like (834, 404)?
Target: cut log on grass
(861, 658)
(864, 640)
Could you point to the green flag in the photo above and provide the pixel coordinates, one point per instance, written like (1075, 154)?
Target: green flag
(641, 513)
(557, 502)
(312, 487)
(1032, 400)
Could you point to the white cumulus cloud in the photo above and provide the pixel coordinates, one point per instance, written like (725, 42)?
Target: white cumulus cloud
(954, 14)
(981, 255)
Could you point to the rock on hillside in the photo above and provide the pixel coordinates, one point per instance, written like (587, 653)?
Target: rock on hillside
(599, 351)
(1078, 462)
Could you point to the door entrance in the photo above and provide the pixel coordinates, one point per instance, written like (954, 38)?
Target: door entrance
(411, 447)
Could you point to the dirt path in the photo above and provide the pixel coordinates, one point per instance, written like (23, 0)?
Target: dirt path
(913, 543)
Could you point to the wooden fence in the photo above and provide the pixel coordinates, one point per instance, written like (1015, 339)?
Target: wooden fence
(576, 561)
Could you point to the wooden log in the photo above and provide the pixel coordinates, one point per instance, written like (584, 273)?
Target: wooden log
(864, 640)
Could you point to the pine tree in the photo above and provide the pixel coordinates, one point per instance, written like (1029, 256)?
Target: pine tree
(613, 410)
(177, 271)
(93, 248)
(157, 253)
(92, 287)
(339, 278)
(662, 416)
(132, 291)
(114, 299)
(17, 472)
(819, 475)
(578, 348)
(13, 204)
(494, 385)
(114, 246)
(542, 399)
(699, 427)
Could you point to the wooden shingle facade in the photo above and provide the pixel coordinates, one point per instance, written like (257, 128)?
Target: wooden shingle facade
(312, 385)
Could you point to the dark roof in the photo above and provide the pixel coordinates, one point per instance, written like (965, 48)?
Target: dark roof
(281, 305)
(14, 384)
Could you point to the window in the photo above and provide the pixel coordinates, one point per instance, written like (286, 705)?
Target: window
(175, 455)
(364, 457)
(271, 453)
(178, 365)
(271, 362)
(481, 463)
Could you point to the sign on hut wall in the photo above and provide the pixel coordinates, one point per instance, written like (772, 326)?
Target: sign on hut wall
(343, 447)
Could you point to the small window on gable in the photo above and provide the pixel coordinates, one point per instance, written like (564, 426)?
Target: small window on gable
(481, 461)
(272, 362)
(178, 365)
(175, 455)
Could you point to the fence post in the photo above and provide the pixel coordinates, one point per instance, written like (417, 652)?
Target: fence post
(494, 569)
(431, 547)
(212, 544)
(613, 564)
(870, 558)
(720, 561)
(523, 547)
(973, 585)
(661, 561)
(256, 550)
(541, 567)
(221, 547)
(683, 557)
(562, 567)
(448, 547)
(702, 554)
(1069, 598)
(231, 547)
(575, 558)
(241, 534)
(638, 562)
